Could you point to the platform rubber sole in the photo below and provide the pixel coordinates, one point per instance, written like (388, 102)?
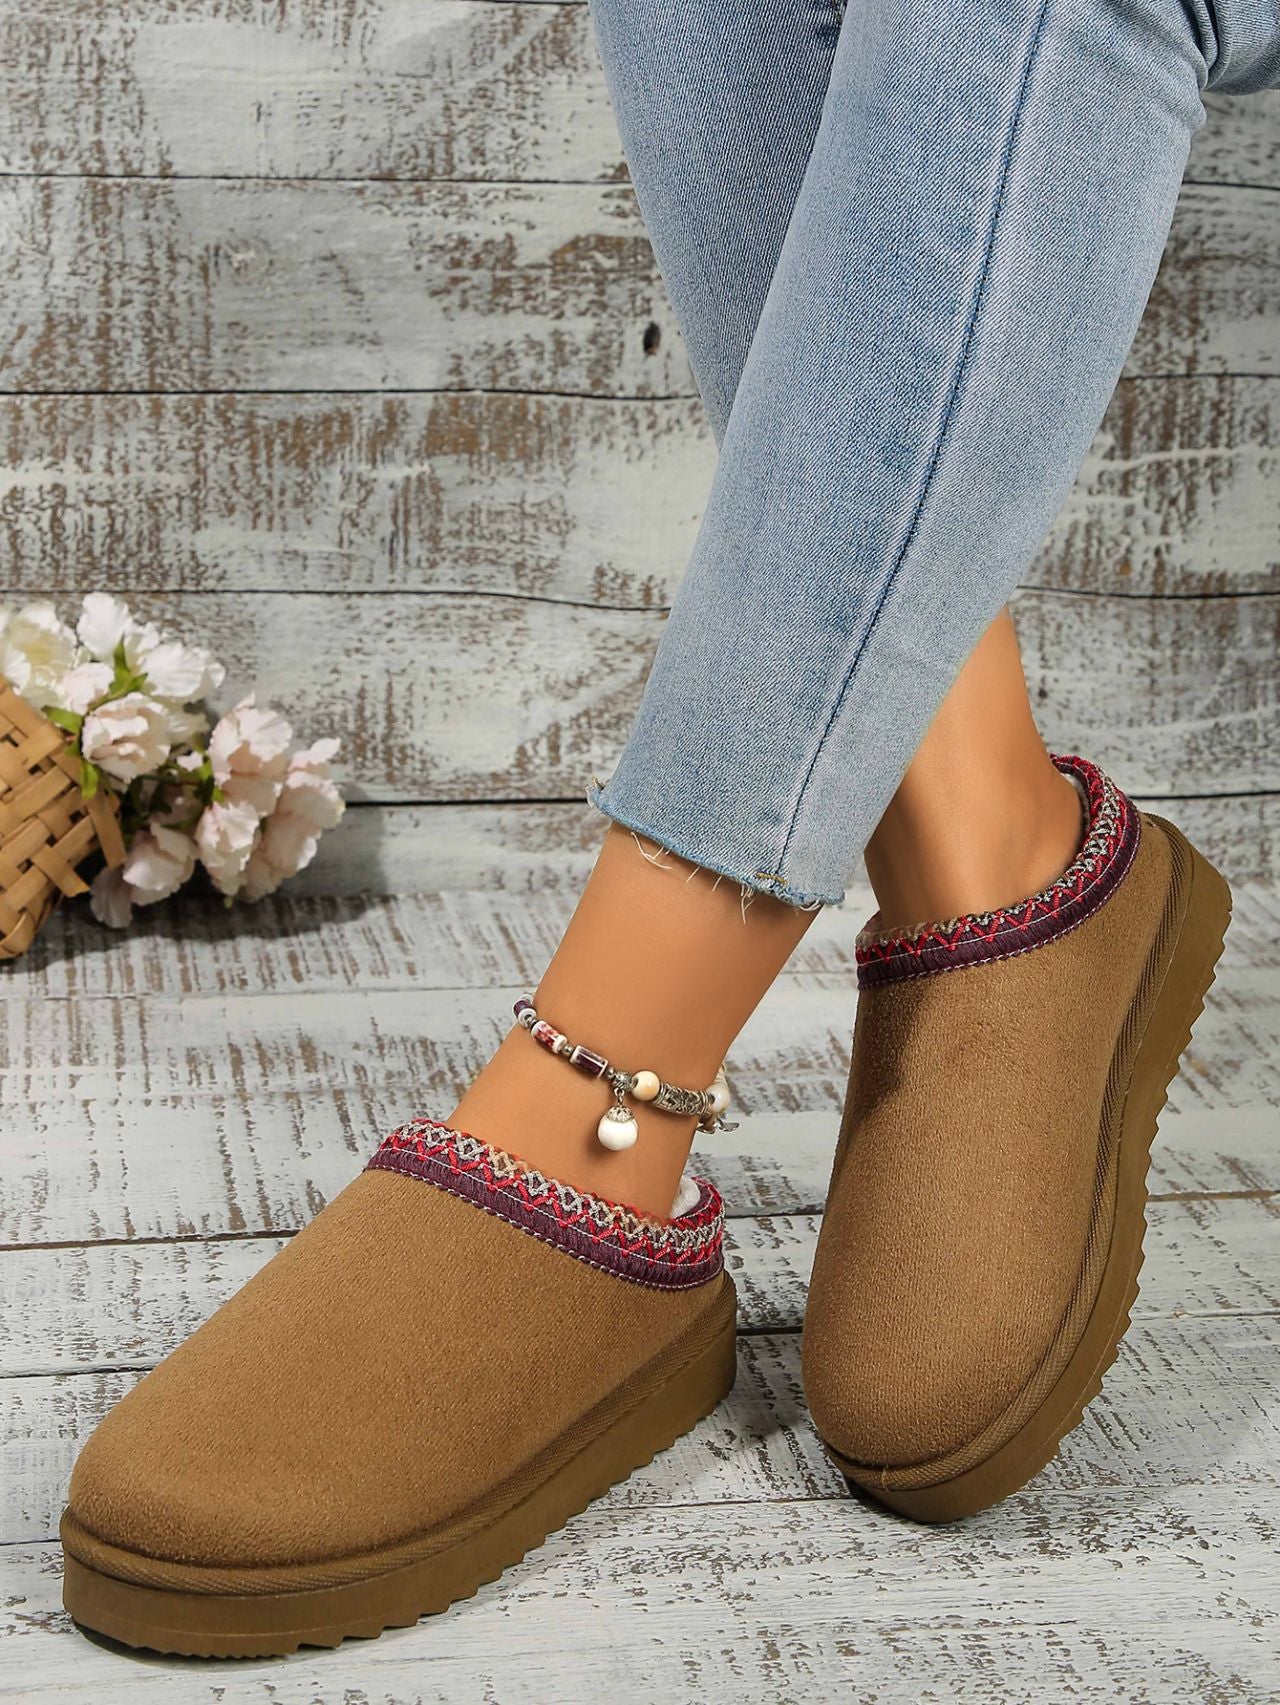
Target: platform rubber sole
(1179, 973)
(255, 1624)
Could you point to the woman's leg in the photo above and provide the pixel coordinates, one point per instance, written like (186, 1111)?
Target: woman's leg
(983, 213)
(982, 817)
(662, 963)
(885, 475)
(718, 108)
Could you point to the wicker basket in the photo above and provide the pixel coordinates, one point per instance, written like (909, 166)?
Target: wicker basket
(47, 827)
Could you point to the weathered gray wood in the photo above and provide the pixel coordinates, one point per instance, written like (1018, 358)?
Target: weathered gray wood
(245, 1114)
(1171, 1604)
(590, 500)
(519, 849)
(117, 1307)
(525, 849)
(195, 285)
(1212, 308)
(441, 697)
(1204, 669)
(1180, 494)
(383, 89)
(1237, 144)
(422, 1043)
(1190, 1403)
(1241, 835)
(184, 284)
(231, 1076)
(469, 939)
(210, 1164)
(1059, 1596)
(1176, 695)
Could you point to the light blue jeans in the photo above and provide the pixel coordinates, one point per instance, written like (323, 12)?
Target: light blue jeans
(909, 250)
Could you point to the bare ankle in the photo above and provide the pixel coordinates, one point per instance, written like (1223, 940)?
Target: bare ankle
(974, 855)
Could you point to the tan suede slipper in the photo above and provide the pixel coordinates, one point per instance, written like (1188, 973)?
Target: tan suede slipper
(456, 1356)
(983, 1233)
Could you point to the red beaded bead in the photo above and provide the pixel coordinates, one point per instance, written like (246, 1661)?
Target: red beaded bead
(595, 1065)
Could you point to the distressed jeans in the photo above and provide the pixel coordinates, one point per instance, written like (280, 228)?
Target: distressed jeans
(909, 249)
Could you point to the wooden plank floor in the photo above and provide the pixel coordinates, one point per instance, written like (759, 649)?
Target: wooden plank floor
(265, 1049)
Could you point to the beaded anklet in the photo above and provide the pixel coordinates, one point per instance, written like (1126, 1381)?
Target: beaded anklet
(617, 1128)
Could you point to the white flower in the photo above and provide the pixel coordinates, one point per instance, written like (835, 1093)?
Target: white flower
(184, 727)
(248, 750)
(104, 622)
(173, 671)
(225, 836)
(111, 899)
(36, 651)
(79, 687)
(309, 803)
(126, 737)
(161, 858)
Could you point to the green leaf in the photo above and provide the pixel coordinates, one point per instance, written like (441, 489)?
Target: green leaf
(90, 776)
(70, 721)
(125, 680)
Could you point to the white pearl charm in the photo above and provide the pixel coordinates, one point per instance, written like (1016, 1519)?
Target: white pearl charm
(719, 1094)
(617, 1129)
(645, 1085)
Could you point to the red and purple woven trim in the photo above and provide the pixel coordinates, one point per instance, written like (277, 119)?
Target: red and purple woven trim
(1110, 842)
(665, 1254)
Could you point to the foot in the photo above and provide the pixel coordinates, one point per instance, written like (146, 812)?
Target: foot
(449, 1362)
(983, 1232)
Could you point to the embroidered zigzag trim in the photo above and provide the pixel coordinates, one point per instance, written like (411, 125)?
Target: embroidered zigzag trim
(1110, 843)
(665, 1254)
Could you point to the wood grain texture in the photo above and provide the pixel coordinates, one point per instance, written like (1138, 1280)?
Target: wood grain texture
(1237, 143)
(245, 284)
(231, 1080)
(593, 501)
(1211, 309)
(1204, 667)
(404, 849)
(1179, 496)
(231, 88)
(423, 1043)
(1059, 1596)
(122, 1306)
(1178, 696)
(587, 500)
(759, 1446)
(292, 944)
(388, 88)
(213, 1165)
(233, 284)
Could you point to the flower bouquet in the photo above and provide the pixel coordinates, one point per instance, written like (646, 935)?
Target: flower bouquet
(106, 747)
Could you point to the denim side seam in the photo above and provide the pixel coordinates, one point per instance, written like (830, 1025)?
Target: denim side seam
(956, 385)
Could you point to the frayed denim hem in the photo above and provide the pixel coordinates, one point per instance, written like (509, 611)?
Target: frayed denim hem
(749, 883)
